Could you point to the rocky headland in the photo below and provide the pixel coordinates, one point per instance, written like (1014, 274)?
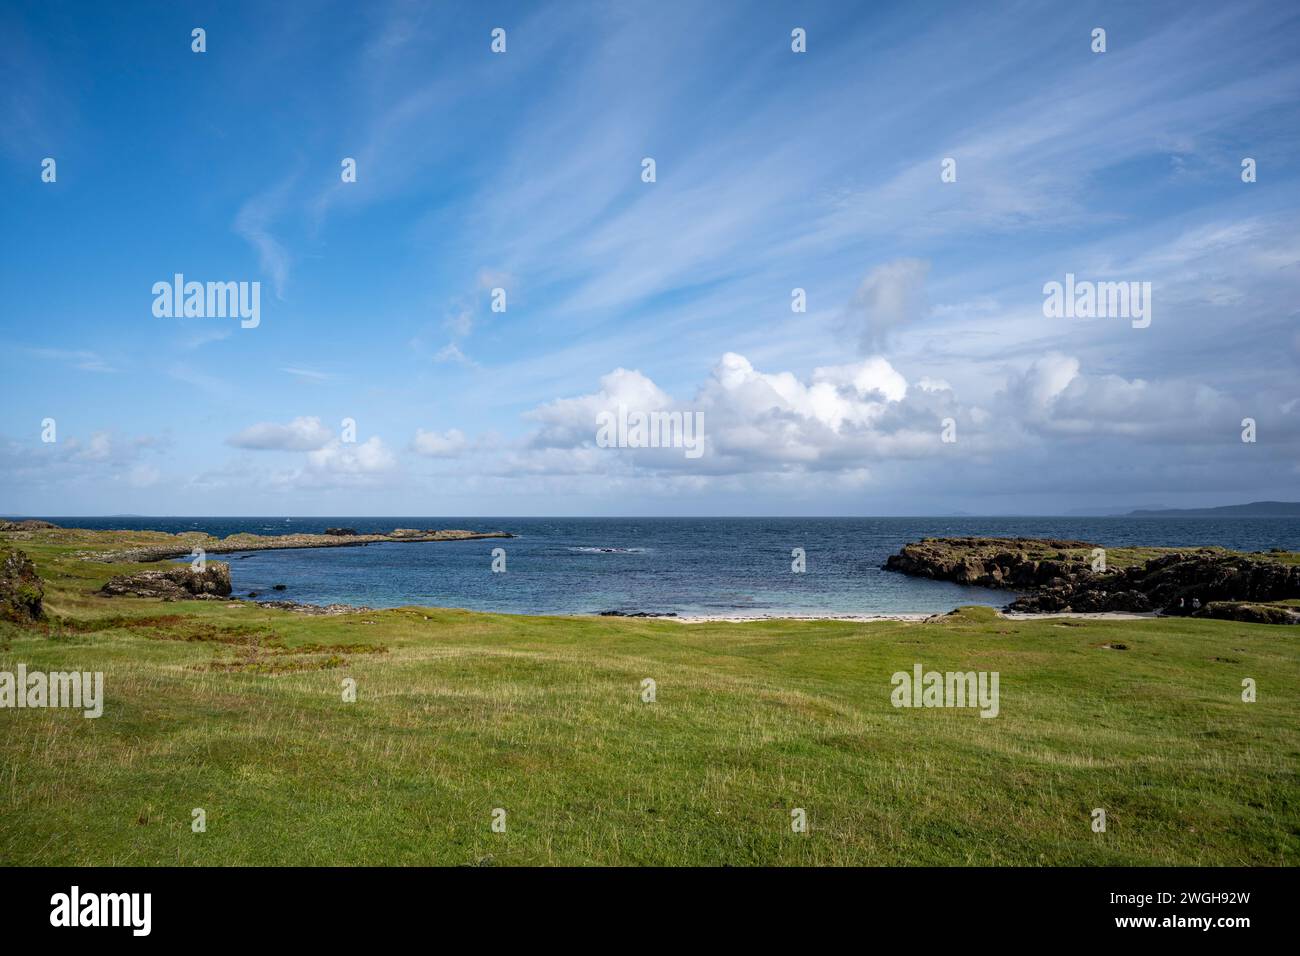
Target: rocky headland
(1065, 576)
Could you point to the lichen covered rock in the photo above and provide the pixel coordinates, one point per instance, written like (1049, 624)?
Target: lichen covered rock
(21, 590)
(1179, 583)
(177, 583)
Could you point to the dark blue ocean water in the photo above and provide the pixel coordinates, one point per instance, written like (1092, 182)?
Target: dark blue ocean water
(707, 566)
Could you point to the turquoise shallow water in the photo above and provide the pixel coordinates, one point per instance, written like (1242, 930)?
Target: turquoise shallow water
(704, 566)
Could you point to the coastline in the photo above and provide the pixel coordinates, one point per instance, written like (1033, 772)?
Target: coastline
(746, 704)
(903, 616)
(1047, 578)
(288, 542)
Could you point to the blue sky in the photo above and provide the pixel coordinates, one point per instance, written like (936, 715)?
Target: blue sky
(522, 171)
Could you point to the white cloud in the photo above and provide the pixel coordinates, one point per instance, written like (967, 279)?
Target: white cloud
(143, 476)
(840, 418)
(890, 296)
(450, 444)
(253, 223)
(100, 447)
(572, 421)
(451, 353)
(1053, 396)
(1038, 386)
(306, 374)
(83, 359)
(301, 434)
(350, 459)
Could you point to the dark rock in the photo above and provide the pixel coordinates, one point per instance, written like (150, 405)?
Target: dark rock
(638, 613)
(1249, 613)
(1019, 563)
(341, 532)
(1178, 583)
(178, 583)
(279, 587)
(21, 590)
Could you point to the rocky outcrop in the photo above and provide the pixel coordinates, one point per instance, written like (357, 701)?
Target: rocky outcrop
(21, 590)
(180, 583)
(1181, 583)
(1250, 613)
(1013, 563)
(1059, 577)
(27, 524)
(341, 532)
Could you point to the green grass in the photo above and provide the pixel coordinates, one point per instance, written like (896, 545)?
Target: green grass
(238, 711)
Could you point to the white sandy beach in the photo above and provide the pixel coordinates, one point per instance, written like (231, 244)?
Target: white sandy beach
(867, 618)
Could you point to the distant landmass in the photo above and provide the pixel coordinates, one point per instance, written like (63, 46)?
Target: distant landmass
(1256, 509)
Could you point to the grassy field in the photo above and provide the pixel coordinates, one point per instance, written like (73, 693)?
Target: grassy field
(239, 711)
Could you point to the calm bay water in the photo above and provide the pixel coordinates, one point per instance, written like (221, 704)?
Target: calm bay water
(704, 566)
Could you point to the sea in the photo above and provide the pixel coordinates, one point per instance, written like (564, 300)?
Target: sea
(691, 567)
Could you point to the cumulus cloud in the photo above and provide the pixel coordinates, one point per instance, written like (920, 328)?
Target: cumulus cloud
(839, 418)
(370, 457)
(572, 421)
(1053, 396)
(301, 434)
(339, 464)
(1037, 387)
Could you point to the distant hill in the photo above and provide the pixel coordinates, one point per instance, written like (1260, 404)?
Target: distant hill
(1256, 509)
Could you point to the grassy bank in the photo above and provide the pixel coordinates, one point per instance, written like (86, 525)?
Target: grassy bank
(239, 711)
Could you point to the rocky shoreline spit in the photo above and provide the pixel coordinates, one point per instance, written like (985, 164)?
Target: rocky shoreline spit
(186, 542)
(27, 524)
(1060, 576)
(183, 582)
(316, 610)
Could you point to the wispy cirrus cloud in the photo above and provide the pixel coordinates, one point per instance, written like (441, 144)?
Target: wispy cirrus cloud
(81, 359)
(254, 222)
